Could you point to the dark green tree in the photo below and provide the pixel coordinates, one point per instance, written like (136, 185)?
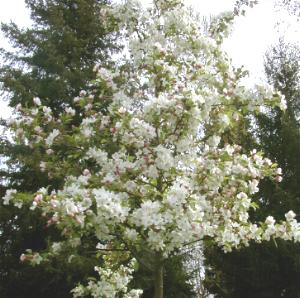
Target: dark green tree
(271, 269)
(52, 60)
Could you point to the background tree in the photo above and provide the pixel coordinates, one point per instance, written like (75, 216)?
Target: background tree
(271, 269)
(53, 60)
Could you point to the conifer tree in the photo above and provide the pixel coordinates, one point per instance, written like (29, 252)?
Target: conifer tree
(53, 60)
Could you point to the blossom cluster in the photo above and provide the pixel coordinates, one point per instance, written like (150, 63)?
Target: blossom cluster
(111, 283)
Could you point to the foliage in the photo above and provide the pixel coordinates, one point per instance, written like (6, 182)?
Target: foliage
(52, 60)
(55, 57)
(28, 230)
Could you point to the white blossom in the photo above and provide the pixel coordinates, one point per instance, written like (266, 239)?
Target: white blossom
(49, 140)
(8, 196)
(70, 111)
(37, 101)
(290, 215)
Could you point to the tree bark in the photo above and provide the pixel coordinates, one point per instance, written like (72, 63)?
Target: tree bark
(159, 279)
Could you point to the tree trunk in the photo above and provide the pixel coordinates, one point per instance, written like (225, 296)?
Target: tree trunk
(159, 279)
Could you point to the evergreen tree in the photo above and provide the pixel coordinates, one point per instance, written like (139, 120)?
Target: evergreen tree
(272, 269)
(53, 60)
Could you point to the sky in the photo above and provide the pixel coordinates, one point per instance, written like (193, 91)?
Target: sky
(251, 37)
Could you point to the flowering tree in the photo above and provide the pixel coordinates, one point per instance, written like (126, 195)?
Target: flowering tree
(149, 169)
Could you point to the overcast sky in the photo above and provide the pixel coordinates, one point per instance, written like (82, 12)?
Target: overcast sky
(251, 37)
